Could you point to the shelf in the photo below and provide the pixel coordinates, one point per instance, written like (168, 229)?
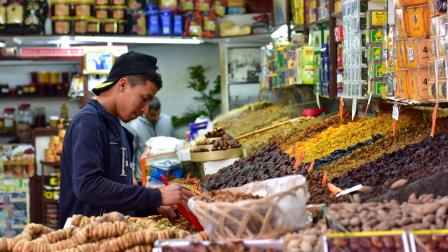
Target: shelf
(50, 201)
(311, 25)
(18, 163)
(50, 163)
(7, 134)
(323, 21)
(40, 40)
(15, 96)
(244, 83)
(300, 28)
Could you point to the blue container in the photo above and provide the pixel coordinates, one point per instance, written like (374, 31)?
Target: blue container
(166, 23)
(195, 127)
(178, 28)
(166, 168)
(154, 25)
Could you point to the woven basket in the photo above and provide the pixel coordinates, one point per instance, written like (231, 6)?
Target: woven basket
(281, 209)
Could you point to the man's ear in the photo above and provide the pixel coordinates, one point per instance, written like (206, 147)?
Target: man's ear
(122, 84)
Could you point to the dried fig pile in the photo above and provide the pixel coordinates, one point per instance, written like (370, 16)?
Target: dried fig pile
(392, 243)
(412, 163)
(269, 162)
(424, 212)
(111, 232)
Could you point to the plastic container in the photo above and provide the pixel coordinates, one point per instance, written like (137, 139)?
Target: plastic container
(9, 119)
(421, 88)
(121, 26)
(118, 12)
(119, 2)
(102, 11)
(401, 54)
(400, 23)
(167, 168)
(61, 25)
(25, 114)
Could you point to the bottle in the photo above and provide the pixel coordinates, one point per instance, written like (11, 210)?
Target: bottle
(25, 114)
(64, 112)
(10, 120)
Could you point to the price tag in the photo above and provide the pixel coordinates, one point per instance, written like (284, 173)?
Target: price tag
(299, 160)
(350, 190)
(311, 167)
(395, 112)
(333, 189)
(434, 119)
(318, 100)
(411, 54)
(354, 104)
(368, 103)
(276, 136)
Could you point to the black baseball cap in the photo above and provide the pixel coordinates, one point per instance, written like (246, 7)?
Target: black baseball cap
(130, 63)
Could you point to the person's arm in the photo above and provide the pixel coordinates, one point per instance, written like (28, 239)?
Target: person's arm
(89, 183)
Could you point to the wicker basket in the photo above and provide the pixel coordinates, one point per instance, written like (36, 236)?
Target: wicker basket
(281, 209)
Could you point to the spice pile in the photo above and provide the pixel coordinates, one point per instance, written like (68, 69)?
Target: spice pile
(424, 212)
(257, 119)
(111, 232)
(410, 164)
(269, 162)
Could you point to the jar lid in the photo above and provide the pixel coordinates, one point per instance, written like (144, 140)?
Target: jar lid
(80, 18)
(24, 106)
(10, 110)
(119, 7)
(54, 118)
(60, 18)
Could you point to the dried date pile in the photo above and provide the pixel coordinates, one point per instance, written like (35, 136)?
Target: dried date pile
(424, 212)
(227, 142)
(216, 132)
(269, 162)
(435, 242)
(412, 163)
(225, 196)
(111, 232)
(389, 243)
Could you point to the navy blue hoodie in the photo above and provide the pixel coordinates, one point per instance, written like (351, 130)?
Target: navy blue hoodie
(96, 176)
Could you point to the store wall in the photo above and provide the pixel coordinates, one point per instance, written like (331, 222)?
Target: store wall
(173, 62)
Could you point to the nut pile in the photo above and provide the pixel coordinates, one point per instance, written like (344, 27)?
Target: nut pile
(424, 212)
(269, 162)
(225, 196)
(307, 240)
(112, 232)
(412, 163)
(361, 244)
(216, 132)
(227, 142)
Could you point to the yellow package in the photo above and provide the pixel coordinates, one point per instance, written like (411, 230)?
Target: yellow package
(401, 81)
(401, 54)
(417, 52)
(416, 21)
(420, 85)
(413, 2)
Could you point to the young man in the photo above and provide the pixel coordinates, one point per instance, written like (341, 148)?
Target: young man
(151, 124)
(96, 173)
(24, 130)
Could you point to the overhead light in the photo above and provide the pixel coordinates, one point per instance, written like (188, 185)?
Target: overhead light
(2, 44)
(280, 32)
(139, 40)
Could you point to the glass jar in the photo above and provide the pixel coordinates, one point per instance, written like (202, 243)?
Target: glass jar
(61, 25)
(110, 26)
(25, 114)
(60, 8)
(101, 2)
(39, 117)
(121, 26)
(2, 124)
(102, 11)
(93, 26)
(118, 12)
(82, 9)
(44, 78)
(119, 2)
(80, 25)
(10, 120)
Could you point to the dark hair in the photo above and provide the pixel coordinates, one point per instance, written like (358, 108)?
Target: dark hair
(155, 78)
(155, 104)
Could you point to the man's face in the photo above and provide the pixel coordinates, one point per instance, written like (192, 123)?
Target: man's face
(24, 132)
(133, 99)
(153, 115)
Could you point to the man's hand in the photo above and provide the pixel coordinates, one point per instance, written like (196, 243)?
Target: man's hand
(167, 211)
(174, 194)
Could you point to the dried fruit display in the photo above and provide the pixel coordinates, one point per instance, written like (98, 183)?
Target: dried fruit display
(216, 132)
(367, 243)
(227, 117)
(425, 241)
(343, 136)
(307, 240)
(269, 162)
(111, 232)
(408, 134)
(224, 196)
(257, 119)
(255, 142)
(319, 193)
(424, 212)
(412, 163)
